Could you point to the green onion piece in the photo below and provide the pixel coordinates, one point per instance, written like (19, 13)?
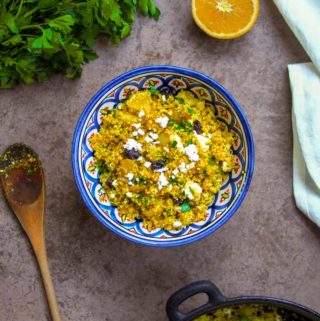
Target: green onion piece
(174, 144)
(185, 207)
(191, 111)
(153, 90)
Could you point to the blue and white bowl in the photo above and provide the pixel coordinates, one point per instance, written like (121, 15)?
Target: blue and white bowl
(226, 109)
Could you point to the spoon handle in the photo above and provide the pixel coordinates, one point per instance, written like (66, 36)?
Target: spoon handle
(41, 255)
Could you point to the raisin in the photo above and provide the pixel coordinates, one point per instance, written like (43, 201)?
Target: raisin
(197, 126)
(109, 183)
(158, 164)
(168, 91)
(177, 202)
(132, 154)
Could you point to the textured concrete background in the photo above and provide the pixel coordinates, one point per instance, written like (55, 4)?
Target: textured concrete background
(268, 247)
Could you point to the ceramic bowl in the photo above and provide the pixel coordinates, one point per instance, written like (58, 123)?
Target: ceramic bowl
(226, 109)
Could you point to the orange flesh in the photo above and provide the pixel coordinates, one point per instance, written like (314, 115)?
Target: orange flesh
(225, 22)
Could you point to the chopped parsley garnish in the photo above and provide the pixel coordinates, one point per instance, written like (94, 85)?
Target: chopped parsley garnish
(172, 180)
(180, 100)
(174, 144)
(212, 160)
(184, 125)
(191, 111)
(244, 317)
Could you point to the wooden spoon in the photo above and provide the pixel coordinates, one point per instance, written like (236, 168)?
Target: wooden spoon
(22, 180)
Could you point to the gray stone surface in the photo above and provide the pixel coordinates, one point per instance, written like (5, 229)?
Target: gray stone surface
(267, 248)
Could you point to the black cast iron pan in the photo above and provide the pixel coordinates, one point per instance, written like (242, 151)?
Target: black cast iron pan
(291, 311)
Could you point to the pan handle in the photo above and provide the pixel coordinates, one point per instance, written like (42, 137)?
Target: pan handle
(176, 299)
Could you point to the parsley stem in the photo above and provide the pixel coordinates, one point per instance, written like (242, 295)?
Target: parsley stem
(32, 27)
(13, 4)
(19, 9)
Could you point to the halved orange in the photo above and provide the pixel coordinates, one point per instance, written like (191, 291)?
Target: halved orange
(225, 19)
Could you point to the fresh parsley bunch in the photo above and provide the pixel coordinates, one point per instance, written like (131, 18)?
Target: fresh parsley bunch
(42, 37)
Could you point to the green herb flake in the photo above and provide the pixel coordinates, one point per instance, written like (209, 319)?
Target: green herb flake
(244, 317)
(191, 111)
(172, 181)
(179, 100)
(212, 160)
(171, 122)
(174, 144)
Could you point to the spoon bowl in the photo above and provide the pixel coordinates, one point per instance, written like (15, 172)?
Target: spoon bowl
(23, 183)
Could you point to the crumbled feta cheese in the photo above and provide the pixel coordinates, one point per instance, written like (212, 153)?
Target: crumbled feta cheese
(147, 164)
(164, 98)
(141, 114)
(140, 158)
(224, 166)
(162, 121)
(115, 183)
(160, 170)
(203, 141)
(156, 143)
(192, 152)
(112, 195)
(177, 224)
(129, 176)
(192, 190)
(132, 144)
(175, 172)
(129, 194)
(173, 177)
(135, 133)
(183, 167)
(154, 136)
(140, 132)
(162, 181)
(166, 149)
(137, 126)
(209, 135)
(190, 166)
(148, 139)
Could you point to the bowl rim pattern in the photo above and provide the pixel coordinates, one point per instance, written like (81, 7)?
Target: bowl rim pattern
(76, 143)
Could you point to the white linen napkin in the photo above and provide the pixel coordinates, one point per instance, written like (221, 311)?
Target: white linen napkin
(305, 87)
(303, 17)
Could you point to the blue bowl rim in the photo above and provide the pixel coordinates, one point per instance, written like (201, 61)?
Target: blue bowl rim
(171, 69)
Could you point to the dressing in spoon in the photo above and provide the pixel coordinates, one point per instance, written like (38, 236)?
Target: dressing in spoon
(22, 180)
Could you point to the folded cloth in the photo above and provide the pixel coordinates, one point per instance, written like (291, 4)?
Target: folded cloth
(303, 17)
(305, 87)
